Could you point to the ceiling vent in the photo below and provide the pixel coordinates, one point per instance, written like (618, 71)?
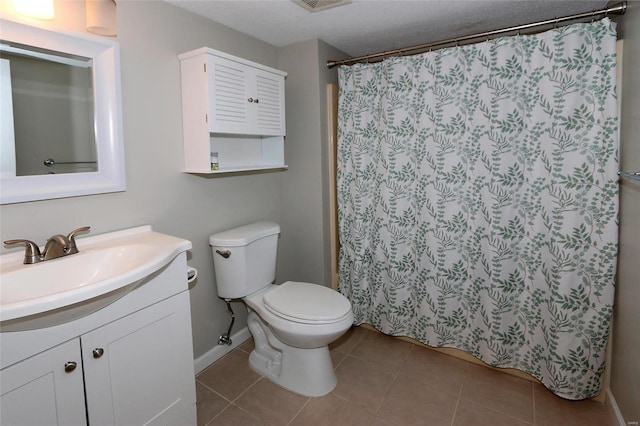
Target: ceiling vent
(318, 5)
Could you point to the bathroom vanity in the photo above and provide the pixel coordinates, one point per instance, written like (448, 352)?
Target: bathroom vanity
(128, 362)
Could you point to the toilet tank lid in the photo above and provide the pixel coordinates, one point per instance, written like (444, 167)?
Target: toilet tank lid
(244, 235)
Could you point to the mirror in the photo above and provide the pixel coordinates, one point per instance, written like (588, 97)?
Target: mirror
(49, 99)
(61, 129)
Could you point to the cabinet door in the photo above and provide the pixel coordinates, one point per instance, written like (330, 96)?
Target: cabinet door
(45, 389)
(269, 104)
(229, 94)
(139, 369)
(245, 100)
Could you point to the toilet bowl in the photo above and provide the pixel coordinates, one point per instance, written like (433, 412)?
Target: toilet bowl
(294, 352)
(301, 314)
(292, 323)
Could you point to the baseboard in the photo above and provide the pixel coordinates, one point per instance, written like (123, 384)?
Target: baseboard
(219, 351)
(614, 406)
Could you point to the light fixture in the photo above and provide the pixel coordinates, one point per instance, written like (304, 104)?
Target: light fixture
(101, 17)
(318, 5)
(38, 9)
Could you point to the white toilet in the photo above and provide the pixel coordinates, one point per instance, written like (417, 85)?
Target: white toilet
(293, 323)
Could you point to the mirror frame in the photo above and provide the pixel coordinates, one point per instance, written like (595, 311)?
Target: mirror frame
(110, 176)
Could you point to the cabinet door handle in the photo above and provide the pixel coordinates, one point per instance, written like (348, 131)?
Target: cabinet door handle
(97, 352)
(70, 366)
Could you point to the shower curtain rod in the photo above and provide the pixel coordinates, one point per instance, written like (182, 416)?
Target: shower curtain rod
(630, 175)
(618, 9)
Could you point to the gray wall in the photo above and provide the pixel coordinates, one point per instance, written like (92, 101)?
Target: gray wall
(625, 371)
(305, 243)
(326, 52)
(151, 34)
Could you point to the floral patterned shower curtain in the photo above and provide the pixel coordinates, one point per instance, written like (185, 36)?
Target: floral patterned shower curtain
(477, 200)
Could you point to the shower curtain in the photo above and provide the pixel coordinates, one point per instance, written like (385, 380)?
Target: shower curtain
(477, 200)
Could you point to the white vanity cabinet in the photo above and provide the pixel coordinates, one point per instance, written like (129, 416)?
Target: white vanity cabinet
(233, 107)
(46, 389)
(135, 369)
(132, 362)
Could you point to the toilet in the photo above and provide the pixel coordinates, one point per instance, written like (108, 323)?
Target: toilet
(293, 323)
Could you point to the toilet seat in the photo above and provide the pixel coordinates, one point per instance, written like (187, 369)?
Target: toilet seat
(307, 303)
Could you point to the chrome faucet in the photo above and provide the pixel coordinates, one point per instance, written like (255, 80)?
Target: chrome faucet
(56, 246)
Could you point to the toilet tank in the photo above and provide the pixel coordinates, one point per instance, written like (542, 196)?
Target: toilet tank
(251, 264)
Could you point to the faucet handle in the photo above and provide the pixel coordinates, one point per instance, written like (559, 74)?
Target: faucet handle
(72, 240)
(31, 252)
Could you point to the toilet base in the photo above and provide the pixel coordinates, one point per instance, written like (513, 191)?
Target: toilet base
(308, 372)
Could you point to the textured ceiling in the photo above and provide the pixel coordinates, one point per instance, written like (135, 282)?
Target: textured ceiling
(369, 26)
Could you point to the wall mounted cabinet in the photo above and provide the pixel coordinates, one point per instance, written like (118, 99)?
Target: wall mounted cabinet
(233, 107)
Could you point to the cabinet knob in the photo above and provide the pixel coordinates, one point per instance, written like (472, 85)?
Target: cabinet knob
(256, 100)
(250, 99)
(98, 352)
(70, 366)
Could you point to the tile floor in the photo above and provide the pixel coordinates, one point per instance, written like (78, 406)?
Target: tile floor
(384, 381)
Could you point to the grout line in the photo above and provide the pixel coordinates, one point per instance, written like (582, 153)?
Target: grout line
(464, 379)
(235, 404)
(492, 408)
(500, 412)
(355, 404)
(495, 410)
(386, 394)
(375, 364)
(224, 397)
(335, 367)
(218, 415)
(247, 389)
(455, 412)
(533, 404)
(249, 414)
(239, 408)
(214, 391)
(300, 410)
(395, 379)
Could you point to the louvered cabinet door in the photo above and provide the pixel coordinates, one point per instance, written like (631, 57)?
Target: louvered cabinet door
(233, 110)
(270, 106)
(229, 95)
(245, 100)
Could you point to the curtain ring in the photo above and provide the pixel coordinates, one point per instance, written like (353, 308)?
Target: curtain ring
(555, 23)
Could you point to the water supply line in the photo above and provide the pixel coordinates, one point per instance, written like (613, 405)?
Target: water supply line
(225, 339)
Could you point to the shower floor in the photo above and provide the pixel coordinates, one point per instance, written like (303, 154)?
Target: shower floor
(383, 381)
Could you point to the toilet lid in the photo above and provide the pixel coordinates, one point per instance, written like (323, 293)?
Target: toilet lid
(307, 302)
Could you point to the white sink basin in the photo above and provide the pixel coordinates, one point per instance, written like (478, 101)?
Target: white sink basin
(60, 290)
